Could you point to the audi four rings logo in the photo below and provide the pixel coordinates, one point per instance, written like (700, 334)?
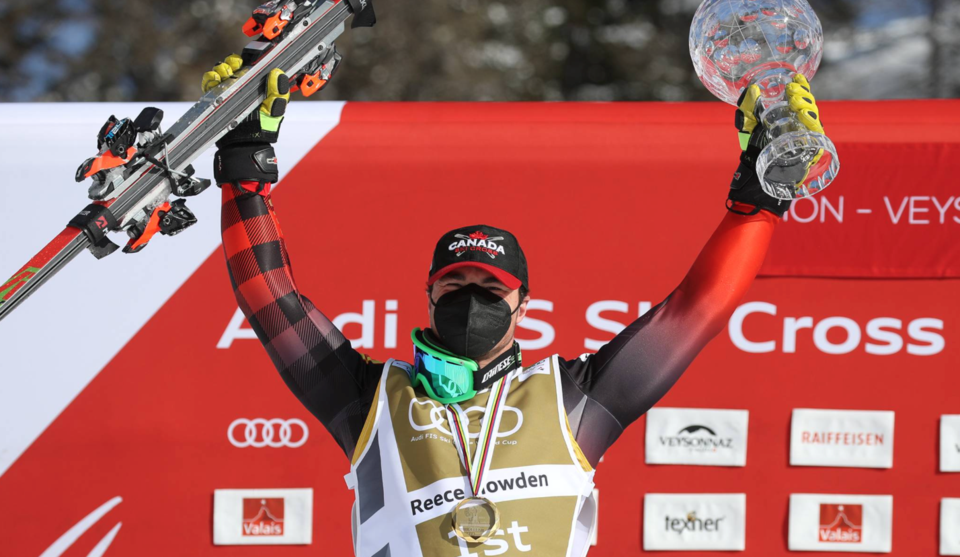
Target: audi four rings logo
(438, 417)
(273, 433)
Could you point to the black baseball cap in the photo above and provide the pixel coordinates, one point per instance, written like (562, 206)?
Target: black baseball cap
(492, 249)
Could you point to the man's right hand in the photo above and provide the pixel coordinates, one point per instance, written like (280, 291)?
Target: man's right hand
(264, 124)
(245, 157)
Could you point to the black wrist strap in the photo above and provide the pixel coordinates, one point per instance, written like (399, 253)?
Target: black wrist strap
(745, 188)
(252, 162)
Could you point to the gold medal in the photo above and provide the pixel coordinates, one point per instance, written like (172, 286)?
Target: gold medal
(476, 519)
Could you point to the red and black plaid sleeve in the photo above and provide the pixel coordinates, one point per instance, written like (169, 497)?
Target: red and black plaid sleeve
(335, 382)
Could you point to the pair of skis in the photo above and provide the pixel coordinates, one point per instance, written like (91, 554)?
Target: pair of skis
(140, 168)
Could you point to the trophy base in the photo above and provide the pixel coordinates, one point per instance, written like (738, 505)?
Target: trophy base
(798, 164)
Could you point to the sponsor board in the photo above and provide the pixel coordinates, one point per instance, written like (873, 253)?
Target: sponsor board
(950, 443)
(702, 522)
(855, 523)
(949, 526)
(263, 516)
(696, 436)
(848, 438)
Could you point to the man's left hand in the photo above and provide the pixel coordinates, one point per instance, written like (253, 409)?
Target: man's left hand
(746, 187)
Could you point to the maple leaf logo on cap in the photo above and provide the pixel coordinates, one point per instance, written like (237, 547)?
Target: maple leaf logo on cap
(478, 236)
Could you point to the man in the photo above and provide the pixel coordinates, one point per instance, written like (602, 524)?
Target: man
(464, 448)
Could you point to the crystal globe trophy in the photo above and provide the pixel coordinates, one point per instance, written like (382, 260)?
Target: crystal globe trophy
(738, 43)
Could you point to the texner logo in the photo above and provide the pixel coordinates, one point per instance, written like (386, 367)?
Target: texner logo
(263, 517)
(841, 523)
(697, 438)
(692, 523)
(478, 241)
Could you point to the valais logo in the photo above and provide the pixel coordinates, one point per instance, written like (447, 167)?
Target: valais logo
(478, 241)
(841, 523)
(263, 517)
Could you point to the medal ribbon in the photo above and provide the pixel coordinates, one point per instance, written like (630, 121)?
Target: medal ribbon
(480, 463)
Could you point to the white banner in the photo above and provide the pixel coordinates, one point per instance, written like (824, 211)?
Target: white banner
(29, 402)
(849, 438)
(262, 516)
(950, 526)
(950, 443)
(694, 522)
(697, 436)
(856, 523)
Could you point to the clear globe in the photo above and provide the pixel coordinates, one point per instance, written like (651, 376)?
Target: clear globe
(734, 43)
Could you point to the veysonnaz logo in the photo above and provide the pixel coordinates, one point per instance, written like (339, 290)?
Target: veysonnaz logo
(692, 523)
(478, 241)
(506, 364)
(10, 287)
(697, 438)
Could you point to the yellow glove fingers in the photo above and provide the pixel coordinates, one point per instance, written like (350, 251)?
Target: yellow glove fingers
(802, 101)
(811, 121)
(800, 80)
(224, 70)
(234, 61)
(804, 104)
(748, 108)
(278, 87)
(209, 81)
(221, 71)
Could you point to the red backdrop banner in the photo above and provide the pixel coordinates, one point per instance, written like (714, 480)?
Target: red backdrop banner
(612, 203)
(898, 204)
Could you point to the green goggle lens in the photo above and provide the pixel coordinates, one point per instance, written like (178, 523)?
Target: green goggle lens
(446, 378)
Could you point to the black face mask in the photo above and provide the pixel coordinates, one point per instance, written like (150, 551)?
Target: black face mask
(471, 321)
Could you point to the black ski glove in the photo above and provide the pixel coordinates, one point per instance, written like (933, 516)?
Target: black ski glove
(245, 153)
(753, 138)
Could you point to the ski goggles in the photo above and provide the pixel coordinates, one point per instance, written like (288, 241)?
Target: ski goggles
(446, 377)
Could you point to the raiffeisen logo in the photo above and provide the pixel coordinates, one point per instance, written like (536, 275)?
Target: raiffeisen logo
(263, 517)
(697, 438)
(478, 241)
(692, 523)
(851, 438)
(841, 523)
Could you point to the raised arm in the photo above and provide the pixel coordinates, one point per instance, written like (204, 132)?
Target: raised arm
(335, 382)
(618, 384)
(607, 391)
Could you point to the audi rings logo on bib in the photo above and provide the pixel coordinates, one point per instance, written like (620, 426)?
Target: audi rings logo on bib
(274, 433)
(437, 418)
